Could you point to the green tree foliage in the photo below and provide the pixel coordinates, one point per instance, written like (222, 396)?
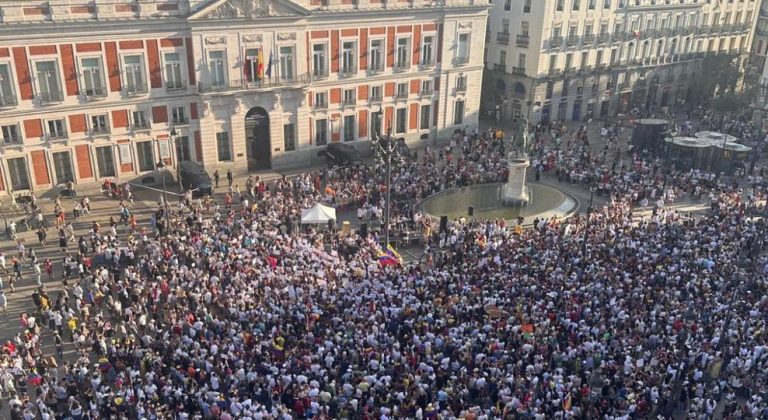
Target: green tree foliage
(719, 74)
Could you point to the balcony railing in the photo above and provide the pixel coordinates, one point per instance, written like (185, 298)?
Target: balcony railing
(97, 131)
(401, 95)
(15, 139)
(401, 67)
(460, 60)
(500, 67)
(8, 101)
(181, 121)
(572, 40)
(518, 70)
(49, 97)
(348, 71)
(502, 38)
(554, 72)
(374, 99)
(57, 136)
(140, 125)
(624, 86)
(601, 38)
(426, 93)
(588, 38)
(461, 87)
(376, 69)
(241, 84)
(94, 93)
(348, 102)
(175, 86)
(556, 41)
(135, 89)
(523, 40)
(321, 105)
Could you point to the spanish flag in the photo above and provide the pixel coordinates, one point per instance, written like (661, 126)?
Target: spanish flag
(567, 402)
(260, 65)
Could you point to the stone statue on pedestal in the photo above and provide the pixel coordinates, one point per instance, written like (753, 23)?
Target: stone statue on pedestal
(521, 137)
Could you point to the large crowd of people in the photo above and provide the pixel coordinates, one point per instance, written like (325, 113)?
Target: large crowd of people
(236, 311)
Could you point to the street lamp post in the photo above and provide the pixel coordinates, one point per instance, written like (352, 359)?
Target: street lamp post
(589, 220)
(386, 151)
(160, 165)
(174, 140)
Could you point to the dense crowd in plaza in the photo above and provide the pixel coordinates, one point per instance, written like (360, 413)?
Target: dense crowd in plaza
(235, 311)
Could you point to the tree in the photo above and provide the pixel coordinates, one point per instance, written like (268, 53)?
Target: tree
(719, 74)
(730, 102)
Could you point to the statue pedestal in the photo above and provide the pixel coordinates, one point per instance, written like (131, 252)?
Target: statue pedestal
(515, 192)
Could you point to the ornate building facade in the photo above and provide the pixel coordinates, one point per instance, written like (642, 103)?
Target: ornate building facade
(108, 88)
(571, 60)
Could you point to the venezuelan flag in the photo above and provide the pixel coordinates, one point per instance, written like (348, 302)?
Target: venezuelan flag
(391, 251)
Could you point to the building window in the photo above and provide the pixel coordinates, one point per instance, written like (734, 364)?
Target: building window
(426, 50)
(348, 57)
(321, 132)
(319, 58)
(461, 83)
(179, 115)
(11, 134)
(349, 96)
(426, 86)
(458, 112)
(139, 120)
(321, 99)
(286, 63)
(527, 6)
(105, 161)
(591, 4)
(402, 90)
(93, 79)
(223, 147)
(183, 151)
(17, 169)
(289, 137)
(349, 128)
(552, 62)
(173, 78)
(426, 110)
(462, 49)
(375, 62)
(145, 156)
(562, 111)
(56, 129)
(564, 92)
(550, 88)
(99, 124)
(62, 167)
(559, 5)
(521, 61)
(576, 5)
(375, 124)
(607, 4)
(254, 65)
(46, 75)
(7, 96)
(375, 93)
(133, 77)
(217, 68)
(507, 5)
(403, 53)
(401, 117)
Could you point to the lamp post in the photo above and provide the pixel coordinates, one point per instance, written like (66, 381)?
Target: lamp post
(160, 165)
(174, 140)
(386, 151)
(589, 220)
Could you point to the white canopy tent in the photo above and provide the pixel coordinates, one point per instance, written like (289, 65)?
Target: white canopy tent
(319, 214)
